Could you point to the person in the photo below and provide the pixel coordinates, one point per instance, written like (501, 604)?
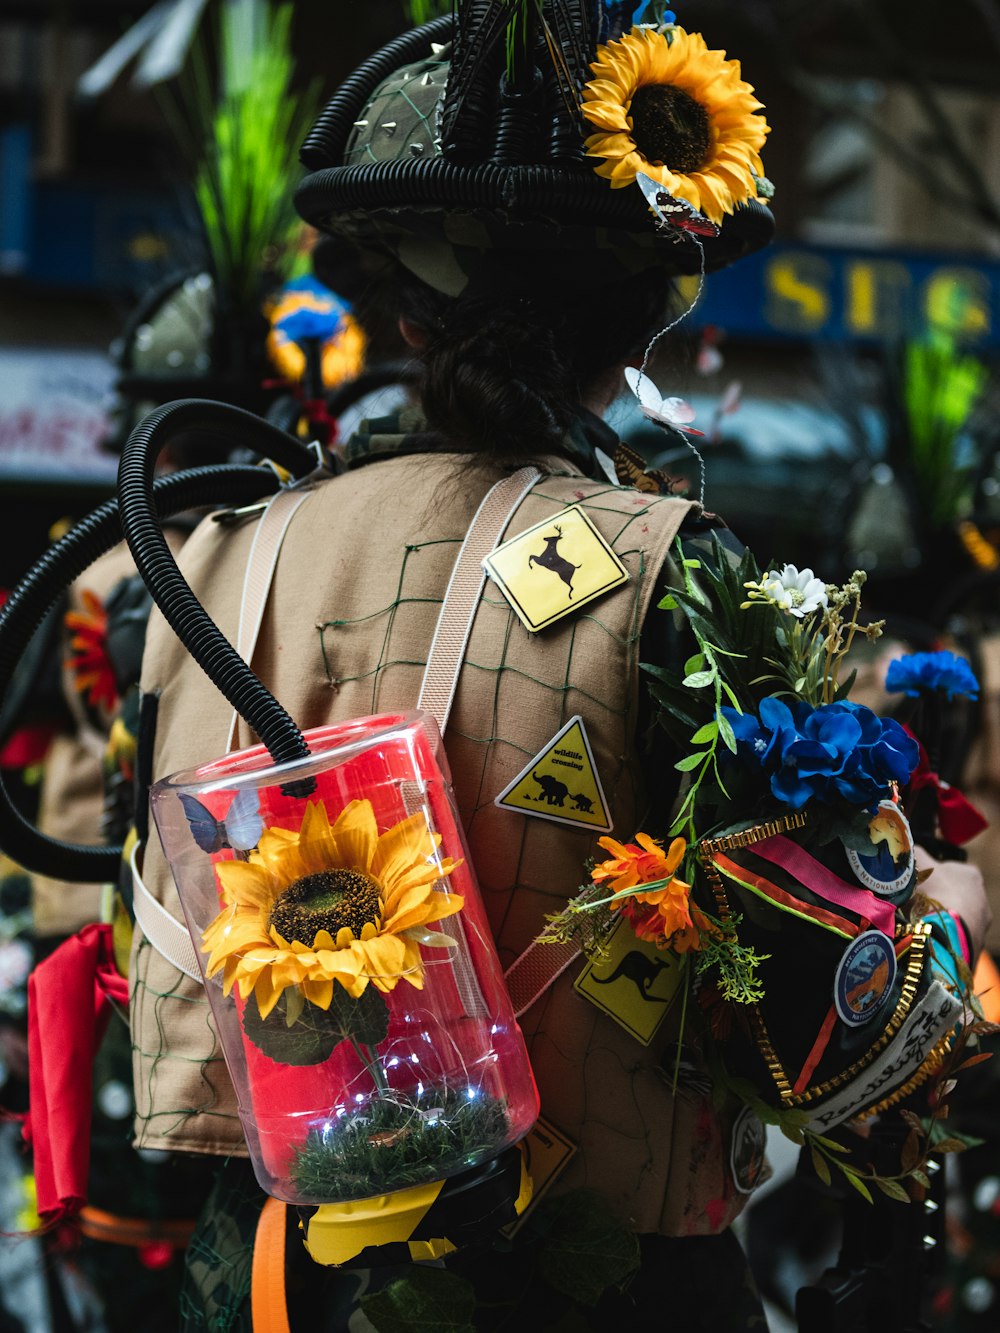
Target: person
(523, 285)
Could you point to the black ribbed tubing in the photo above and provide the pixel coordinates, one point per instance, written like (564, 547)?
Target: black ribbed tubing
(170, 590)
(34, 597)
(324, 145)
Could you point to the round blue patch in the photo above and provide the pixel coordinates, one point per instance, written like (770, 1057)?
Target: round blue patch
(864, 977)
(888, 867)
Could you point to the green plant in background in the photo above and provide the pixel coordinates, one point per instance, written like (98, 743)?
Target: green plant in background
(941, 387)
(422, 11)
(247, 161)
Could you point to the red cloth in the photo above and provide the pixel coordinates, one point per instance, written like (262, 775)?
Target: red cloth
(958, 819)
(69, 1003)
(28, 746)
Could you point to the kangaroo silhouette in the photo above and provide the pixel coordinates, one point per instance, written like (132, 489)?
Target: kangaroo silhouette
(553, 791)
(638, 969)
(551, 559)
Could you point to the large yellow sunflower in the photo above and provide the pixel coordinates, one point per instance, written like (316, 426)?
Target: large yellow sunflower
(665, 105)
(329, 904)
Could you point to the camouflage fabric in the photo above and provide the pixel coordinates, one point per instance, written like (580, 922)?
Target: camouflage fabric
(406, 432)
(567, 1270)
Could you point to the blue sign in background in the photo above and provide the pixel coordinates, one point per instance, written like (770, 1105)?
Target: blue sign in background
(796, 291)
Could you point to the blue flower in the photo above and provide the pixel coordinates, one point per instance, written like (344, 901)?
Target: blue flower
(835, 751)
(922, 673)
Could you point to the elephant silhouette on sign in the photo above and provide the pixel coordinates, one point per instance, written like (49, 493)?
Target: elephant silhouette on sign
(552, 790)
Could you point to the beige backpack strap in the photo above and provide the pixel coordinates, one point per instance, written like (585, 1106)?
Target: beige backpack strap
(165, 933)
(261, 564)
(465, 587)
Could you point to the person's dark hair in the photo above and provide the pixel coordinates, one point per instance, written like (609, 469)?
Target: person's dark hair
(507, 363)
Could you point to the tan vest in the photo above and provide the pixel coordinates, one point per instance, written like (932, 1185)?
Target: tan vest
(352, 610)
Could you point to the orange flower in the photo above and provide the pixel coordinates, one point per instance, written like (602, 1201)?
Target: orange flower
(645, 862)
(641, 862)
(688, 940)
(88, 663)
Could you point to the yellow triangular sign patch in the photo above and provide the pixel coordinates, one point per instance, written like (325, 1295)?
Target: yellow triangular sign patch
(561, 783)
(553, 568)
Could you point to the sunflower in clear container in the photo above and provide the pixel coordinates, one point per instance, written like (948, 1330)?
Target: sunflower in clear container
(329, 904)
(665, 105)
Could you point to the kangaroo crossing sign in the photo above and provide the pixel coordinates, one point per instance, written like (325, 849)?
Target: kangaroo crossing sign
(552, 569)
(561, 783)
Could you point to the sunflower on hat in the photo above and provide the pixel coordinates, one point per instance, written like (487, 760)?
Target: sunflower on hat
(665, 105)
(329, 904)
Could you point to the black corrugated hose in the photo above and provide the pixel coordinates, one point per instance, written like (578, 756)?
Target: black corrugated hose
(169, 589)
(31, 601)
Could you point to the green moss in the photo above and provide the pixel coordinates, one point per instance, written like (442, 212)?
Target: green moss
(393, 1143)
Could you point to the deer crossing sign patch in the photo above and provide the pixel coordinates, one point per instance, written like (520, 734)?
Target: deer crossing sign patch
(552, 569)
(561, 783)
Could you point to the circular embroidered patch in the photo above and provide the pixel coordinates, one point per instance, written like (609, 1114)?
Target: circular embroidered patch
(746, 1151)
(864, 977)
(888, 867)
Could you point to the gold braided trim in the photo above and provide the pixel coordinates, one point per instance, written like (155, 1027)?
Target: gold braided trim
(914, 967)
(731, 842)
(927, 1070)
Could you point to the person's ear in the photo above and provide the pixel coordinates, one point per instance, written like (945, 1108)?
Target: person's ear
(413, 337)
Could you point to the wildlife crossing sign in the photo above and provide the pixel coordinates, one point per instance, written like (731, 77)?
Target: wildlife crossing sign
(561, 783)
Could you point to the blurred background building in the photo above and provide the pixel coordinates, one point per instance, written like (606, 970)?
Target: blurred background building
(885, 154)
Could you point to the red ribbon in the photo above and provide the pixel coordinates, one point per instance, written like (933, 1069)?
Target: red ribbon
(69, 1003)
(958, 819)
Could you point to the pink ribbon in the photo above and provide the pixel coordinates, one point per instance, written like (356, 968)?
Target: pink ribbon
(781, 851)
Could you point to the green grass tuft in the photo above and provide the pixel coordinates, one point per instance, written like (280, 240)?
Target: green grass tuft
(391, 1144)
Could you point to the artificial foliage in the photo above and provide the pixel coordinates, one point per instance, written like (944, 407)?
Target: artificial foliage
(778, 759)
(398, 1140)
(238, 129)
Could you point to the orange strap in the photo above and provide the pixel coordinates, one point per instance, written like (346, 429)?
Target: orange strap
(97, 1224)
(986, 985)
(268, 1307)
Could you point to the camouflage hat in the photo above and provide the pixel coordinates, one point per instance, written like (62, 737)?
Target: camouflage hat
(430, 154)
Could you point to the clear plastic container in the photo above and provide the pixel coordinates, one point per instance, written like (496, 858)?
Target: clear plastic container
(352, 1080)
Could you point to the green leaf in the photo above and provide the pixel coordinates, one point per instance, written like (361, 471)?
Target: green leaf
(706, 733)
(692, 564)
(859, 1185)
(699, 679)
(308, 1040)
(831, 1145)
(669, 603)
(820, 1165)
(432, 1299)
(726, 732)
(694, 663)
(922, 1178)
(586, 1249)
(728, 691)
(893, 1189)
(366, 1019)
(950, 1145)
(689, 762)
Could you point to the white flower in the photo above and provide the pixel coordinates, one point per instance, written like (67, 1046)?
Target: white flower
(798, 591)
(773, 590)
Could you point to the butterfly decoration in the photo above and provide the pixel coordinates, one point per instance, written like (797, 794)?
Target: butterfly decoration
(672, 412)
(631, 470)
(241, 828)
(676, 215)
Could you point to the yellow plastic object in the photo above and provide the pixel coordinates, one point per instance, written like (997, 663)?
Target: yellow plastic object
(338, 1231)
